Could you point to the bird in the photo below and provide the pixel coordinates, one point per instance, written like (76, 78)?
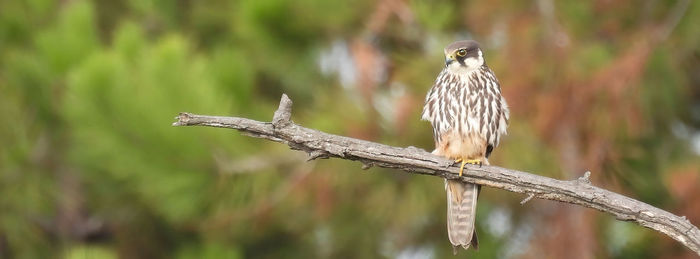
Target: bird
(468, 115)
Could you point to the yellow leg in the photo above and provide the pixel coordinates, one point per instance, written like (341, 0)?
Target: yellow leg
(461, 168)
(464, 162)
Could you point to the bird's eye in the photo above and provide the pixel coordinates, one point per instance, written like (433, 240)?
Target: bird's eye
(462, 52)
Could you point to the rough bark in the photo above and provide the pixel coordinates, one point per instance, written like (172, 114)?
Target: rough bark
(414, 160)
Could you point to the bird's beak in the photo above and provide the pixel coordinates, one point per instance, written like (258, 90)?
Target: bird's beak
(448, 60)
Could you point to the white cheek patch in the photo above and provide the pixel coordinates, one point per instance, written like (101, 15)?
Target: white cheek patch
(470, 64)
(474, 63)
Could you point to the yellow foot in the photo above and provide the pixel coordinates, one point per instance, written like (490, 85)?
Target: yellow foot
(464, 162)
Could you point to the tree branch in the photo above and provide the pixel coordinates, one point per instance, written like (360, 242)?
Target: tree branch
(414, 160)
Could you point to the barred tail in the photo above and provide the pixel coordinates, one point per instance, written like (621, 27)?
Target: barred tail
(461, 213)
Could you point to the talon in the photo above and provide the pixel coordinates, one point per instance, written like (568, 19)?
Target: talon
(461, 168)
(474, 162)
(467, 161)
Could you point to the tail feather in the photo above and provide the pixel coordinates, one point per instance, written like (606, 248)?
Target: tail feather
(461, 213)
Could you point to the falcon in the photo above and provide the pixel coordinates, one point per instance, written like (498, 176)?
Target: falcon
(468, 115)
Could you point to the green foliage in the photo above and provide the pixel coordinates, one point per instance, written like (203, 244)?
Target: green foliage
(90, 252)
(72, 38)
(433, 16)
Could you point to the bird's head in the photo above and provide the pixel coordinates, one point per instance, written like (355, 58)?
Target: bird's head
(463, 56)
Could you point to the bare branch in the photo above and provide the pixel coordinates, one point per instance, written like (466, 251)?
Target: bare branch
(414, 160)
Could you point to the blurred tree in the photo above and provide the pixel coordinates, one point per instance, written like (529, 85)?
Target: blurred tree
(89, 165)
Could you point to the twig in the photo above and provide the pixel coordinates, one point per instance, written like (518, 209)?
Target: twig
(313, 155)
(528, 198)
(415, 160)
(585, 178)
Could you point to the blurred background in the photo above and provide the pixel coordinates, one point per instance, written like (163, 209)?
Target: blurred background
(91, 168)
